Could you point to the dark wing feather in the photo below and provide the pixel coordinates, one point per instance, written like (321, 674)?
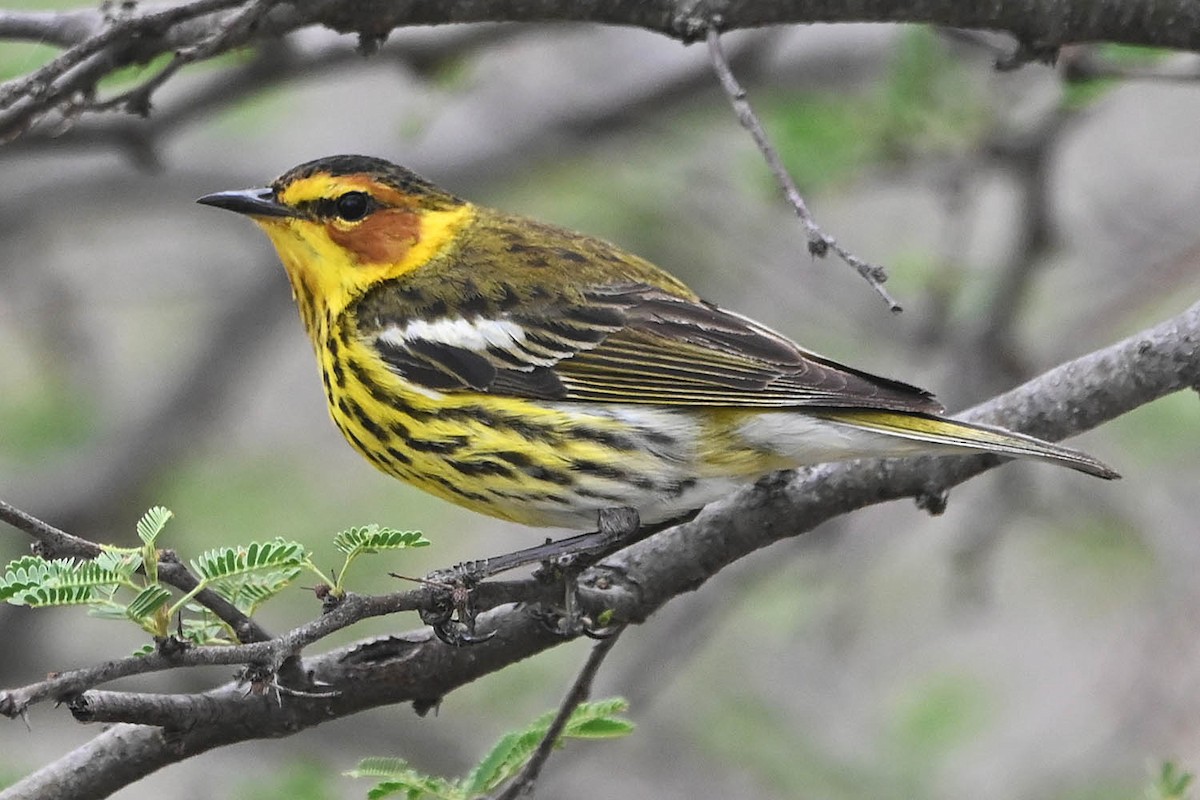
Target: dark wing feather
(635, 344)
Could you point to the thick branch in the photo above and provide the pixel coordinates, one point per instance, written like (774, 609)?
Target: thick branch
(264, 652)
(205, 28)
(1064, 401)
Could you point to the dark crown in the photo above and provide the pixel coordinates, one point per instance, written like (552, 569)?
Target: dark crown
(397, 177)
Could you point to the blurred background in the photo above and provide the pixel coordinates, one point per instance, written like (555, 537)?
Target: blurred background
(1035, 641)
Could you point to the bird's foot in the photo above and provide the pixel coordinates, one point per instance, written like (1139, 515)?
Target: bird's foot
(453, 618)
(451, 614)
(615, 527)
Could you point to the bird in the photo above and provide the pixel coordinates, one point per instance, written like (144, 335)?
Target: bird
(546, 377)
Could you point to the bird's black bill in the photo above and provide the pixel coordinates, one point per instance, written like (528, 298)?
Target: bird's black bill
(252, 202)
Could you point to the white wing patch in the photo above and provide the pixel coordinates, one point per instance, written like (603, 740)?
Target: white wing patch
(470, 334)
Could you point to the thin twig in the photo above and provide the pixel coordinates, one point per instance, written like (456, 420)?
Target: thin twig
(40, 81)
(56, 543)
(580, 690)
(819, 243)
(137, 99)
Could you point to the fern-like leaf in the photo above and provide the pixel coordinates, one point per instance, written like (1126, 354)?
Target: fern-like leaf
(503, 761)
(378, 767)
(120, 562)
(248, 592)
(374, 538)
(23, 574)
(152, 523)
(149, 600)
(589, 720)
(46, 596)
(206, 629)
(109, 611)
(398, 778)
(599, 720)
(33, 580)
(229, 562)
(595, 720)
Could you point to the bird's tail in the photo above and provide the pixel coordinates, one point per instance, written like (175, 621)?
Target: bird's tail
(967, 436)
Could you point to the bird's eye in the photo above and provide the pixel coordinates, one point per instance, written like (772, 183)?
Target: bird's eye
(353, 206)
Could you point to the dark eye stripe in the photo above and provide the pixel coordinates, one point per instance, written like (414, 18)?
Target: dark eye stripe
(327, 207)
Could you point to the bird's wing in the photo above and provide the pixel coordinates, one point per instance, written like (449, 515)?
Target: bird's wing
(629, 343)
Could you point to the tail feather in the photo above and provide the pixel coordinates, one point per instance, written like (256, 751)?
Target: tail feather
(968, 436)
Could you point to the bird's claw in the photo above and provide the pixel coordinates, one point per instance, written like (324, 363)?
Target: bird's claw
(568, 626)
(457, 634)
(450, 614)
(569, 621)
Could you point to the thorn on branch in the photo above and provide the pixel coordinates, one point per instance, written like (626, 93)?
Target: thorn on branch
(933, 501)
(424, 706)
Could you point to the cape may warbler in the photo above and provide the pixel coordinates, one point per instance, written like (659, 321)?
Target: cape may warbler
(539, 375)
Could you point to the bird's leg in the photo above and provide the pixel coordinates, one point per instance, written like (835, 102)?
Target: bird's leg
(615, 528)
(453, 620)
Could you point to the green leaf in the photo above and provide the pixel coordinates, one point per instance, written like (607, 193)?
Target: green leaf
(373, 538)
(594, 720)
(45, 596)
(399, 778)
(228, 562)
(390, 788)
(120, 562)
(22, 574)
(247, 592)
(206, 629)
(34, 581)
(149, 600)
(506, 757)
(152, 523)
(601, 729)
(378, 767)
(109, 611)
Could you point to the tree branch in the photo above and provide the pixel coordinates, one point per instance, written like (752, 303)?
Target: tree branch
(819, 243)
(101, 45)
